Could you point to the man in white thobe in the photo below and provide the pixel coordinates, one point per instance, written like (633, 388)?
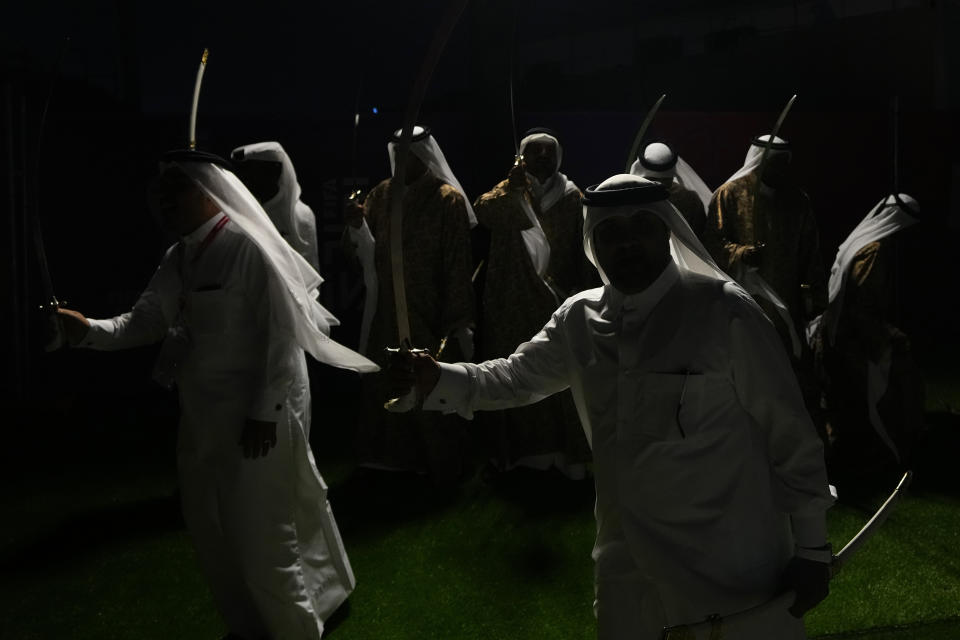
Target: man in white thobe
(266, 169)
(711, 488)
(235, 307)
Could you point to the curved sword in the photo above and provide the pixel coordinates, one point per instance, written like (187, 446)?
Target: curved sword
(398, 185)
(192, 134)
(895, 107)
(635, 147)
(50, 304)
(513, 114)
(716, 626)
(763, 162)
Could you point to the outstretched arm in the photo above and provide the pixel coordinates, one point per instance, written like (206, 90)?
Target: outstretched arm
(146, 323)
(537, 369)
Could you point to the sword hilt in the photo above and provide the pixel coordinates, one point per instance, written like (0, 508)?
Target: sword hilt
(56, 334)
(413, 399)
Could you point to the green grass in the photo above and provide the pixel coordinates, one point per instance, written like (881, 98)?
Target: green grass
(495, 561)
(93, 546)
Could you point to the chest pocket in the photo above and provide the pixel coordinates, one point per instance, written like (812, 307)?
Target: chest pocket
(668, 406)
(213, 311)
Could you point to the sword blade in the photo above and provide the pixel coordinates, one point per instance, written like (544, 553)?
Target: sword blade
(873, 523)
(763, 161)
(398, 184)
(635, 147)
(730, 623)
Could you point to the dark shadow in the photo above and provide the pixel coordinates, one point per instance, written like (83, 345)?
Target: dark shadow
(541, 493)
(84, 533)
(369, 500)
(336, 618)
(933, 467)
(537, 562)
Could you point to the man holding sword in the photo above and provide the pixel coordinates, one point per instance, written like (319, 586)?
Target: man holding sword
(711, 487)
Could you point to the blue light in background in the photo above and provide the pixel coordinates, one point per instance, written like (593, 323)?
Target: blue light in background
(375, 111)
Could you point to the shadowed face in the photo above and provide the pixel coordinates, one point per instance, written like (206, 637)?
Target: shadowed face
(632, 250)
(776, 171)
(180, 204)
(262, 177)
(540, 159)
(415, 169)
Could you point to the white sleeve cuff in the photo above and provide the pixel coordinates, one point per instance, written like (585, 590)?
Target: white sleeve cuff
(99, 335)
(269, 406)
(452, 391)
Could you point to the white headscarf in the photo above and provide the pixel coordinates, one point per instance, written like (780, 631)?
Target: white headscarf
(558, 184)
(686, 250)
(885, 219)
(294, 219)
(548, 194)
(428, 151)
(681, 172)
(293, 283)
(748, 277)
(752, 161)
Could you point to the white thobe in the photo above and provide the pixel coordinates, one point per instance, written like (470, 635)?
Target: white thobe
(266, 538)
(708, 469)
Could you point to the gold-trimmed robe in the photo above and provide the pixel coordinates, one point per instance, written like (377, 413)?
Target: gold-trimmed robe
(516, 303)
(784, 221)
(440, 300)
(865, 330)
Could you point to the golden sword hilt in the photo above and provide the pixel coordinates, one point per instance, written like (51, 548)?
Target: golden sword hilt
(57, 334)
(413, 399)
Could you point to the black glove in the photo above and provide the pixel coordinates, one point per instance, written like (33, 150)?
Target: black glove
(810, 580)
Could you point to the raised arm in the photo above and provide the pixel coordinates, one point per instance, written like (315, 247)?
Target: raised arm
(499, 209)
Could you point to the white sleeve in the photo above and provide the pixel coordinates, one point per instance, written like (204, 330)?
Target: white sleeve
(147, 322)
(276, 372)
(537, 369)
(767, 389)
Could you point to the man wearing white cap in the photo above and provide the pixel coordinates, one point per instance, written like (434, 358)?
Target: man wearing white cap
(688, 193)
(873, 392)
(266, 169)
(766, 237)
(236, 308)
(711, 488)
(535, 261)
(436, 259)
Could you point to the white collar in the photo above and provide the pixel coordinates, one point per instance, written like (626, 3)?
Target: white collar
(197, 235)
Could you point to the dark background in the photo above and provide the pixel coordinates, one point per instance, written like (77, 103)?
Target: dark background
(119, 95)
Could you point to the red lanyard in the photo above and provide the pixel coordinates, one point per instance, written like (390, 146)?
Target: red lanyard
(209, 238)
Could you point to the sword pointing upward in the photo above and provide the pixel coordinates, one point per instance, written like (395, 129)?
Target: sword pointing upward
(716, 626)
(763, 161)
(513, 114)
(635, 147)
(398, 188)
(57, 336)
